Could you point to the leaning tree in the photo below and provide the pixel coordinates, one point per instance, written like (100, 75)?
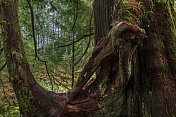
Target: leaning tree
(135, 55)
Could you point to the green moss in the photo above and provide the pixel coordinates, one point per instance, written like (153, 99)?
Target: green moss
(123, 12)
(14, 54)
(170, 13)
(171, 35)
(112, 106)
(126, 12)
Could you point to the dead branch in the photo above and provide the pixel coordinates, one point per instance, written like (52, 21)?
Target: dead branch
(89, 40)
(76, 16)
(76, 40)
(35, 42)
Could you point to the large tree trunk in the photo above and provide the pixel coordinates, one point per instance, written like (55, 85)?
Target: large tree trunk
(138, 74)
(160, 49)
(151, 90)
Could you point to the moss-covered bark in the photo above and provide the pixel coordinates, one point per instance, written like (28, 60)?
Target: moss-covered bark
(15, 56)
(151, 89)
(161, 59)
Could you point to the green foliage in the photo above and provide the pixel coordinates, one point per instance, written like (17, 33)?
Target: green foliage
(54, 22)
(9, 111)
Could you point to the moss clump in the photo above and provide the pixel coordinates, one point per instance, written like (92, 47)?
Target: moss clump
(128, 11)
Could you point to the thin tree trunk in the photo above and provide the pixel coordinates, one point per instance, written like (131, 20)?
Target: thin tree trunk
(73, 60)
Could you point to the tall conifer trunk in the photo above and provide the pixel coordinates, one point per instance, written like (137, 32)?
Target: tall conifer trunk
(102, 18)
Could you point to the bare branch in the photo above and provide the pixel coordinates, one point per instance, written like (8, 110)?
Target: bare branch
(76, 40)
(35, 42)
(54, 7)
(76, 16)
(89, 40)
(73, 46)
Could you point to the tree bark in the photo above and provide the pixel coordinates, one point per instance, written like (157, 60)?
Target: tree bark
(160, 48)
(103, 11)
(102, 18)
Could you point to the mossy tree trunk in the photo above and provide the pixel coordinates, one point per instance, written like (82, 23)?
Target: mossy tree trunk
(15, 56)
(160, 49)
(151, 90)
